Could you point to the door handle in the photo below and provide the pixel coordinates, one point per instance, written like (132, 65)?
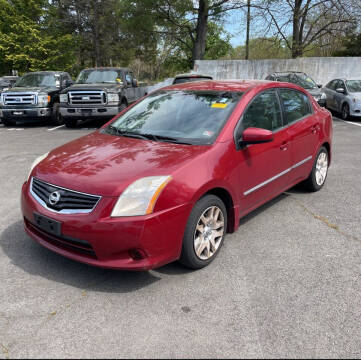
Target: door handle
(284, 146)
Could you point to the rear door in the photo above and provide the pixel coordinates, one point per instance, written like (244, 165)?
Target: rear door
(303, 127)
(263, 167)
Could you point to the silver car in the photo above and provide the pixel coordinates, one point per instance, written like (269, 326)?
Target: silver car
(344, 96)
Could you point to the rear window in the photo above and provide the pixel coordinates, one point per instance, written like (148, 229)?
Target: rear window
(295, 104)
(194, 117)
(189, 79)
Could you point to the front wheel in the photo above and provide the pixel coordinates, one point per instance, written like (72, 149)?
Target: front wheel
(70, 123)
(8, 122)
(345, 111)
(204, 233)
(319, 171)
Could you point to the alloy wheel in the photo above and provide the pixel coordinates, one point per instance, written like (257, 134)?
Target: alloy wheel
(209, 233)
(321, 168)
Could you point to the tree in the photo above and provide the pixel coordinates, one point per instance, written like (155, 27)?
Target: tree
(351, 46)
(309, 21)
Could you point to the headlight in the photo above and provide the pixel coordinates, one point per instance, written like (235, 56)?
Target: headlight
(63, 98)
(140, 197)
(1, 100)
(37, 161)
(43, 100)
(323, 96)
(113, 97)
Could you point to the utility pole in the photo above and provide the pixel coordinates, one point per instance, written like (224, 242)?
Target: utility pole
(248, 25)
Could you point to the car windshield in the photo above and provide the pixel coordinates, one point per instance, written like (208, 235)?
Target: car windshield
(189, 79)
(353, 86)
(299, 79)
(38, 80)
(188, 117)
(99, 76)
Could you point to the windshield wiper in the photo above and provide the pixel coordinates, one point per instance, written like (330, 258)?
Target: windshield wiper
(165, 139)
(127, 133)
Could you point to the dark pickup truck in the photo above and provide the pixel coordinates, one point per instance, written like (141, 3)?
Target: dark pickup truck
(35, 96)
(99, 93)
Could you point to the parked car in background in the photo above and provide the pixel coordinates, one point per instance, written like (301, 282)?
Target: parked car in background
(99, 93)
(182, 78)
(168, 177)
(6, 82)
(344, 96)
(34, 96)
(300, 79)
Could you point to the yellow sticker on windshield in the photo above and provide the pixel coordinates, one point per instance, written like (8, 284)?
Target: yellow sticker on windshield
(219, 105)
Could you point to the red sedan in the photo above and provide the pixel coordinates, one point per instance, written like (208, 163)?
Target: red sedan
(168, 177)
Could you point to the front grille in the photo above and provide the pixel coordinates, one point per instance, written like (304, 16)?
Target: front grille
(79, 246)
(20, 98)
(87, 98)
(62, 200)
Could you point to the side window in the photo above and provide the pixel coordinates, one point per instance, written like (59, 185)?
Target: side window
(331, 85)
(128, 78)
(264, 112)
(295, 104)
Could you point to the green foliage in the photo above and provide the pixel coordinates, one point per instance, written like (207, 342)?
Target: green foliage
(24, 45)
(261, 48)
(351, 46)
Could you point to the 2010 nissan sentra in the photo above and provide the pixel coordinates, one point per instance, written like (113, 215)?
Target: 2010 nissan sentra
(167, 178)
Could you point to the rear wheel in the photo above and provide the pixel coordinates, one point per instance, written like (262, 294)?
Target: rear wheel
(319, 171)
(204, 233)
(345, 111)
(70, 123)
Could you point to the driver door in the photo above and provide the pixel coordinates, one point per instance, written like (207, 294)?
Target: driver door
(263, 168)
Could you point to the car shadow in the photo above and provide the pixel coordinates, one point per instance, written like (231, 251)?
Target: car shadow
(39, 261)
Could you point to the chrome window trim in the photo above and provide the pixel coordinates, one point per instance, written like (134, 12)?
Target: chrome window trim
(64, 211)
(277, 176)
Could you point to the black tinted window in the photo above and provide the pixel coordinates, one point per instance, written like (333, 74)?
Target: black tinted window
(296, 104)
(264, 112)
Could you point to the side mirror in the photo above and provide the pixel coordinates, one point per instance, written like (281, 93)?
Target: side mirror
(319, 86)
(66, 83)
(135, 82)
(256, 136)
(340, 90)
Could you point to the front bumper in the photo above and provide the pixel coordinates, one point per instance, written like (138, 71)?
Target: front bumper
(99, 240)
(24, 113)
(355, 110)
(85, 112)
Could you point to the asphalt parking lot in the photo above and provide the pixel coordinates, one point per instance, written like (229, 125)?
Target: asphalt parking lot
(286, 284)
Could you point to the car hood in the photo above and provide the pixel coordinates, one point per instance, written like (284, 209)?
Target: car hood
(98, 86)
(44, 89)
(103, 164)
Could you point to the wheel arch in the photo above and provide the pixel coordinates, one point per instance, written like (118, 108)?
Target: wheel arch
(328, 148)
(227, 199)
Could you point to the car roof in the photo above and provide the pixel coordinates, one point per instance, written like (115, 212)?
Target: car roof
(191, 75)
(225, 85)
(108, 68)
(46, 72)
(287, 72)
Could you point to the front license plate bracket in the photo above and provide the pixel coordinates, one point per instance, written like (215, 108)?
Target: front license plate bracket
(47, 224)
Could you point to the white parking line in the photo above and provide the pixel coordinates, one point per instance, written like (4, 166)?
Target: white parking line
(353, 123)
(57, 127)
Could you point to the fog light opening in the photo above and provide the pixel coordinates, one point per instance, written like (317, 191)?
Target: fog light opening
(137, 254)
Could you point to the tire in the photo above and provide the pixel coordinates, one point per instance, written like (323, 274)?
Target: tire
(345, 113)
(56, 117)
(71, 123)
(199, 248)
(318, 175)
(7, 122)
(122, 107)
